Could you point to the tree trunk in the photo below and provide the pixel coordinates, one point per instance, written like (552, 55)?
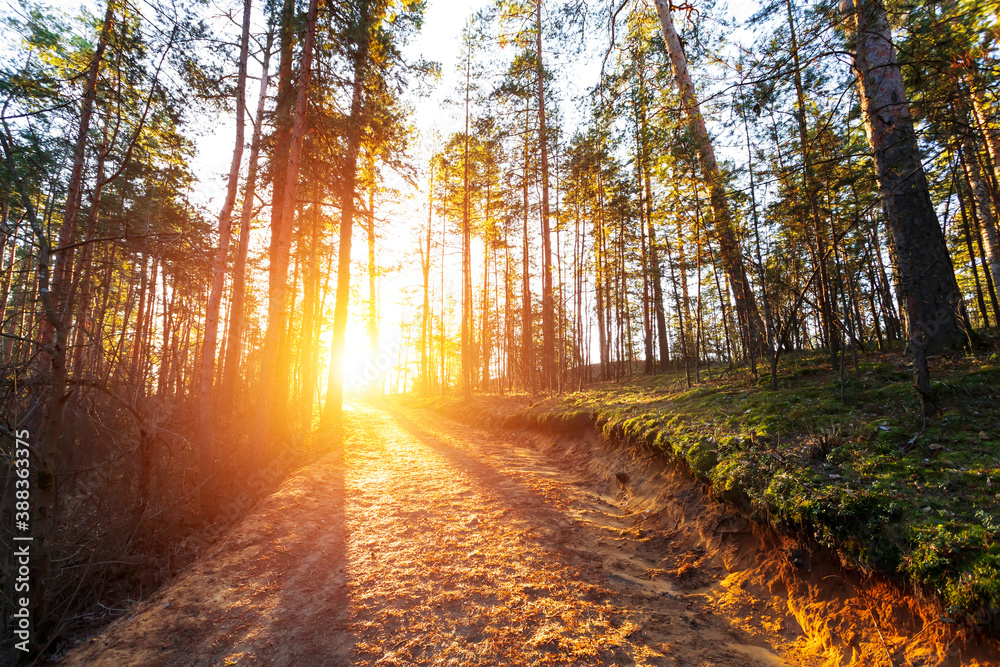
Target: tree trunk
(86, 287)
(311, 312)
(990, 285)
(935, 312)
(729, 245)
(54, 290)
(467, 344)
(206, 431)
(684, 307)
(527, 341)
(894, 328)
(140, 316)
(548, 316)
(981, 199)
(654, 256)
(809, 186)
(508, 312)
(680, 312)
(599, 271)
(375, 388)
(972, 257)
(63, 253)
(441, 318)
(231, 370)
(649, 361)
(484, 331)
(425, 263)
(43, 509)
(989, 130)
(164, 371)
(768, 317)
(333, 407)
(274, 368)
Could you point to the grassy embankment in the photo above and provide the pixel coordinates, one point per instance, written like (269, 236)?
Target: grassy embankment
(851, 463)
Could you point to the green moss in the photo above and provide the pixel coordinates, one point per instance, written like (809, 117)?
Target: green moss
(702, 457)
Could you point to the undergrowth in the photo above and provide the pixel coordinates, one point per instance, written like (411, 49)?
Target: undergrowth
(845, 458)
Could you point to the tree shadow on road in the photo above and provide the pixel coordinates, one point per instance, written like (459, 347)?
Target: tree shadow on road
(270, 591)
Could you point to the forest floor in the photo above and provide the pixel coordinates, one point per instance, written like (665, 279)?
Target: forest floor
(428, 541)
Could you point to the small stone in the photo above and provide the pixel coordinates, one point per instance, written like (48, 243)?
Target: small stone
(936, 447)
(927, 509)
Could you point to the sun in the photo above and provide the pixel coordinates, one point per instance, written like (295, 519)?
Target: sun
(367, 368)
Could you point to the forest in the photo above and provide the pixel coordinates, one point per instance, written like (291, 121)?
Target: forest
(226, 225)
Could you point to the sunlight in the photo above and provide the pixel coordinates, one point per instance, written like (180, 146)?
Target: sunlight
(365, 369)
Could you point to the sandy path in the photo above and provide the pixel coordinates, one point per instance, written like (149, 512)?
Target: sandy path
(429, 542)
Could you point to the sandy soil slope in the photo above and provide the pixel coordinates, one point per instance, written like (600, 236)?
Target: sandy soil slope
(426, 541)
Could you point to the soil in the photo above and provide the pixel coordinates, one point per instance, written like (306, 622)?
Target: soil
(427, 541)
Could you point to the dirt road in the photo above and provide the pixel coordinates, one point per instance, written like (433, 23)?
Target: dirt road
(431, 542)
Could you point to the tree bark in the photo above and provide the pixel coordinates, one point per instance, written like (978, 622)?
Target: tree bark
(373, 345)
(62, 254)
(978, 235)
(548, 315)
(484, 330)
(425, 264)
(649, 360)
(989, 130)
(55, 270)
(729, 245)
(527, 340)
(934, 306)
(467, 324)
(684, 307)
(768, 316)
(823, 290)
(311, 312)
(654, 253)
(333, 407)
(275, 382)
(85, 284)
(972, 253)
(981, 199)
(206, 417)
(271, 388)
(231, 369)
(935, 311)
(654, 258)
